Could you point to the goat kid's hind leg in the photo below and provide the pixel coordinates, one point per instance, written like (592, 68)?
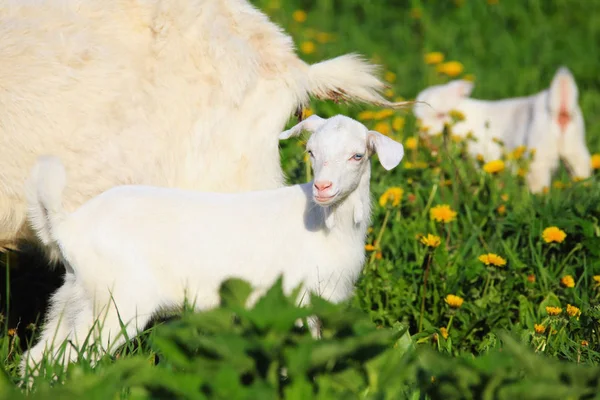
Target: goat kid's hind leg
(539, 177)
(58, 326)
(105, 331)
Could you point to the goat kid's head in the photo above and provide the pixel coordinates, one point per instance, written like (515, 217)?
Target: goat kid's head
(340, 148)
(440, 99)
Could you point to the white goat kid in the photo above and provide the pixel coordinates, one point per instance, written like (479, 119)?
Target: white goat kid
(550, 121)
(173, 93)
(141, 249)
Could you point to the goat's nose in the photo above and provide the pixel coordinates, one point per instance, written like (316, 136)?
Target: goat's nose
(322, 185)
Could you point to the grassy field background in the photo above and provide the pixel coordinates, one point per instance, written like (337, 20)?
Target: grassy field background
(401, 336)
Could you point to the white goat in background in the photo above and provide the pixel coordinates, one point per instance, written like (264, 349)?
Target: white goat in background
(177, 93)
(549, 121)
(141, 249)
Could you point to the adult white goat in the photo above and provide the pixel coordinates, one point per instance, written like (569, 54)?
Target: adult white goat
(550, 121)
(140, 249)
(176, 93)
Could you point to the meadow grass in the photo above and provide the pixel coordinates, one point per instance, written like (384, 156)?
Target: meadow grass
(521, 323)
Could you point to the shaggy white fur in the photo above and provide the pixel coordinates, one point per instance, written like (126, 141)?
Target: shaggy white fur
(175, 93)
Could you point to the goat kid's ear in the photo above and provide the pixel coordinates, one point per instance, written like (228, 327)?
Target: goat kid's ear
(389, 151)
(460, 88)
(310, 124)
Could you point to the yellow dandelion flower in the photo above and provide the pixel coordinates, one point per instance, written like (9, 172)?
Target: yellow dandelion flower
(456, 115)
(539, 329)
(383, 127)
(553, 310)
(450, 68)
(389, 92)
(416, 13)
(442, 213)
(370, 247)
(366, 115)
(444, 333)
(492, 259)
(431, 240)
(494, 167)
(504, 197)
(585, 343)
(480, 158)
(518, 152)
(382, 114)
(567, 281)
(573, 311)
(398, 123)
(454, 301)
(411, 143)
(307, 112)
(595, 161)
(553, 234)
(307, 47)
(324, 37)
(435, 57)
(11, 332)
(390, 76)
(558, 185)
(378, 255)
(393, 194)
(532, 151)
(522, 172)
(597, 280)
(501, 209)
(531, 278)
(299, 16)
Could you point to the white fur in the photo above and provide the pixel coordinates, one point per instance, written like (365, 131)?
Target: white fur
(152, 247)
(175, 93)
(533, 121)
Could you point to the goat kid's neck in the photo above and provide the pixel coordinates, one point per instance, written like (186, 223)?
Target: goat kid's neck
(352, 213)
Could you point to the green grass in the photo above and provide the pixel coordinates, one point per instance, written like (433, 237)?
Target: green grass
(511, 48)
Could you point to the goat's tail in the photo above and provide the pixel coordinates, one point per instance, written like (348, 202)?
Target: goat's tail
(44, 192)
(349, 78)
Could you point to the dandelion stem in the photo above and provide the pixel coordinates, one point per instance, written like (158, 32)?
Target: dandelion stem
(380, 235)
(425, 276)
(308, 170)
(487, 282)
(449, 323)
(430, 200)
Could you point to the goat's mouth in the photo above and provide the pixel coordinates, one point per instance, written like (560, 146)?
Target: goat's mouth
(324, 200)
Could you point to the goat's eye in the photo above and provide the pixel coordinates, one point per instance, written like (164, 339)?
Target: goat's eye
(357, 157)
